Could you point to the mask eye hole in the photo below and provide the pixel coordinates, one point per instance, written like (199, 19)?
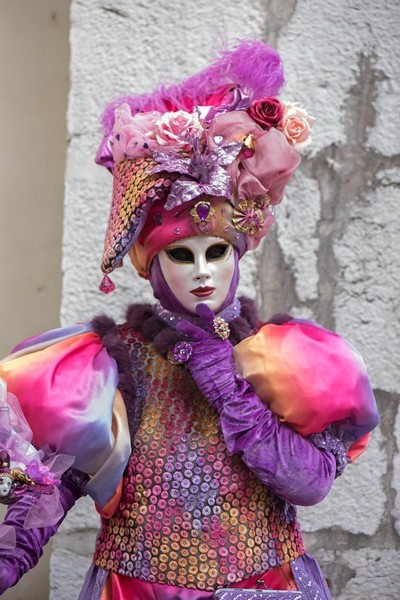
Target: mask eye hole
(180, 254)
(216, 251)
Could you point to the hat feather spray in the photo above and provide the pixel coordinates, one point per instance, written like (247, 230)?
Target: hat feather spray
(252, 66)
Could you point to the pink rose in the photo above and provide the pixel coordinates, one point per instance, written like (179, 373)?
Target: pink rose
(267, 112)
(297, 125)
(133, 136)
(176, 128)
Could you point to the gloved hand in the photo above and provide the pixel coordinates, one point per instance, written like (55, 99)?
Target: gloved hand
(210, 361)
(288, 464)
(30, 542)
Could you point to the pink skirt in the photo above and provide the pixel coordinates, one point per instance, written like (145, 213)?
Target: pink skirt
(121, 587)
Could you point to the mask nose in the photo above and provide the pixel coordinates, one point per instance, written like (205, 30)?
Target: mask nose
(202, 268)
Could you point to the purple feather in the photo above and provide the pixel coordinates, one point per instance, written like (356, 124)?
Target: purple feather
(252, 65)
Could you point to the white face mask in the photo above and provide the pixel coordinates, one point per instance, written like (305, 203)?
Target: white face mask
(5, 486)
(198, 270)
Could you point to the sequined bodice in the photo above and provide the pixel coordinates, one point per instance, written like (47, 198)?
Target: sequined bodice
(191, 515)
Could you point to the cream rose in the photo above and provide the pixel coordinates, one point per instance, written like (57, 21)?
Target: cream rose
(296, 125)
(176, 129)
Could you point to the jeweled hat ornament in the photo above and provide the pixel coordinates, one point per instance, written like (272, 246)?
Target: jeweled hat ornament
(208, 156)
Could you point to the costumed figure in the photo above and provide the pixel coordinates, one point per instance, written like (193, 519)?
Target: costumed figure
(195, 427)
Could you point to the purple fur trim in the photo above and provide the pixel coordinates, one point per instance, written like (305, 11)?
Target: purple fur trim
(141, 318)
(242, 326)
(280, 318)
(137, 314)
(251, 64)
(240, 330)
(150, 327)
(166, 339)
(108, 332)
(249, 311)
(103, 325)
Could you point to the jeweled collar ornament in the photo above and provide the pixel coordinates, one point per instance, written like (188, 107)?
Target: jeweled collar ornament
(208, 156)
(221, 328)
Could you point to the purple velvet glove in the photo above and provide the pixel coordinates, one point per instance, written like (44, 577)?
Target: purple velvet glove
(30, 542)
(288, 464)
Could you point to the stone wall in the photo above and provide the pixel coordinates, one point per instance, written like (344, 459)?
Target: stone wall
(333, 255)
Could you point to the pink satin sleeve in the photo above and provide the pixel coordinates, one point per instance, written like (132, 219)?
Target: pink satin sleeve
(310, 378)
(67, 390)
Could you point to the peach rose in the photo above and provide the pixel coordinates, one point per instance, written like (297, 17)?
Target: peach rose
(296, 125)
(176, 128)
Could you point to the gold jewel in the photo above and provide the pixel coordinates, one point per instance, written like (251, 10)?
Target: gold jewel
(262, 202)
(247, 217)
(248, 141)
(221, 328)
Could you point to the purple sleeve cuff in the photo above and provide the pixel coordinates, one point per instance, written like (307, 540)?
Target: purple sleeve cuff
(326, 440)
(16, 562)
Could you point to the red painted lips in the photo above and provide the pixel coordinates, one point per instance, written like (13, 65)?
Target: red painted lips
(202, 292)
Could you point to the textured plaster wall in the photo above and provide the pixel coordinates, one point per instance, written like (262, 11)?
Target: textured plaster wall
(333, 256)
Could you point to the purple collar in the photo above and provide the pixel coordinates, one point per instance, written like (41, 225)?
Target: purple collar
(173, 318)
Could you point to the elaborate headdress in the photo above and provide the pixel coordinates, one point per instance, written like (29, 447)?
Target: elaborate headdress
(208, 156)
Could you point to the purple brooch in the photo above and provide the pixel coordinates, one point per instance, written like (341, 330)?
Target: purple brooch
(202, 212)
(180, 354)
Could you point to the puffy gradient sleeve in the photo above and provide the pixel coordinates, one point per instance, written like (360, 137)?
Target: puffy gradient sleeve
(310, 378)
(66, 384)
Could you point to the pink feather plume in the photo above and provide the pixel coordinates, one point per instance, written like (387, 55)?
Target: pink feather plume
(251, 64)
